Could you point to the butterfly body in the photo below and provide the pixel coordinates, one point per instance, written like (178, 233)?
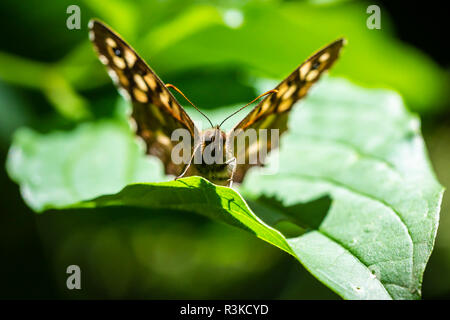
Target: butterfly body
(156, 114)
(215, 162)
(219, 174)
(210, 158)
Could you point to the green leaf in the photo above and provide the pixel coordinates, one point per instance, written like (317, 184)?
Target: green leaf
(197, 195)
(355, 181)
(362, 148)
(61, 168)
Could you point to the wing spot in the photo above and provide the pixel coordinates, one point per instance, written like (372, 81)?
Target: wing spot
(110, 42)
(312, 75)
(124, 93)
(324, 57)
(91, 35)
(119, 62)
(303, 91)
(304, 69)
(124, 80)
(176, 111)
(140, 82)
(289, 93)
(163, 139)
(284, 105)
(282, 89)
(264, 106)
(140, 95)
(141, 142)
(118, 52)
(113, 76)
(146, 134)
(165, 99)
(132, 123)
(150, 81)
(130, 57)
(103, 59)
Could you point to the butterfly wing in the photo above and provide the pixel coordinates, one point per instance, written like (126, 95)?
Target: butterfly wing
(156, 112)
(272, 112)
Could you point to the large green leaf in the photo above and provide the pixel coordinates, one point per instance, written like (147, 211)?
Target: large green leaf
(365, 151)
(358, 148)
(61, 168)
(345, 275)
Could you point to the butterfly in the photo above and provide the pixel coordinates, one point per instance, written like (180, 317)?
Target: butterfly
(156, 113)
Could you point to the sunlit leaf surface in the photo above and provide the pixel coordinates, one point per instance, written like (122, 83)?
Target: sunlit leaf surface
(365, 151)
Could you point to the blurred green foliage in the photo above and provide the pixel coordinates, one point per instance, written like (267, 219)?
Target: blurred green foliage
(215, 52)
(258, 38)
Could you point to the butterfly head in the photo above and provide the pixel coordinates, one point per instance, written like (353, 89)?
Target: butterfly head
(213, 135)
(213, 140)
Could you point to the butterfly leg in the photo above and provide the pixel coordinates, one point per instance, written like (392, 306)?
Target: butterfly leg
(232, 163)
(188, 164)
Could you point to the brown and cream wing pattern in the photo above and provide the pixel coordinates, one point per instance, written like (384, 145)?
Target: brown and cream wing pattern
(156, 112)
(272, 112)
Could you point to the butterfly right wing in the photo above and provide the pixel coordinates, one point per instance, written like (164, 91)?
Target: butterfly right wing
(156, 112)
(273, 111)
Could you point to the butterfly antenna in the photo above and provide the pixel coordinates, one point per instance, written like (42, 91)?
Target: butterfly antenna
(260, 96)
(179, 91)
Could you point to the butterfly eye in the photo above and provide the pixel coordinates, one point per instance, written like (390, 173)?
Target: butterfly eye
(118, 52)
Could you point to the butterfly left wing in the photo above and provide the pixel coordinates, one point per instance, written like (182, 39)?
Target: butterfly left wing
(273, 111)
(155, 110)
